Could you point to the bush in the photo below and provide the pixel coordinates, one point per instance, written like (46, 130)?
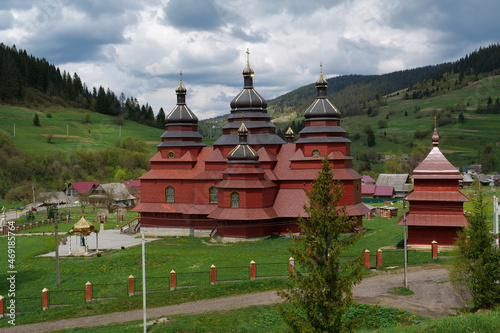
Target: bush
(421, 134)
(382, 123)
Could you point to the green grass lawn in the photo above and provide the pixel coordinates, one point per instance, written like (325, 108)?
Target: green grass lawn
(191, 258)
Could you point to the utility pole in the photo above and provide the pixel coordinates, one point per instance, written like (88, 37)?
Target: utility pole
(404, 244)
(495, 219)
(143, 281)
(57, 243)
(33, 188)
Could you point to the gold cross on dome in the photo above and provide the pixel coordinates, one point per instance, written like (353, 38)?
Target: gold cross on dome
(180, 73)
(248, 55)
(321, 65)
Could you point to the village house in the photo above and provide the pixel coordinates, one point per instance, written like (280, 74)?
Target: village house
(398, 181)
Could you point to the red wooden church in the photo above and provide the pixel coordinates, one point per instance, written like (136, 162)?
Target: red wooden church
(251, 183)
(436, 204)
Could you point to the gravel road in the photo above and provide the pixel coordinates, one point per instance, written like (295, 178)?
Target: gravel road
(433, 298)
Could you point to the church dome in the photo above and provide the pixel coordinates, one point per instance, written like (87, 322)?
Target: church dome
(181, 112)
(248, 99)
(321, 108)
(243, 152)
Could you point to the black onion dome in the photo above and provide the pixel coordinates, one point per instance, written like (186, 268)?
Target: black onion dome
(243, 152)
(248, 99)
(321, 107)
(181, 112)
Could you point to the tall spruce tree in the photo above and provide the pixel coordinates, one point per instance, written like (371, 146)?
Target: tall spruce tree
(476, 271)
(319, 288)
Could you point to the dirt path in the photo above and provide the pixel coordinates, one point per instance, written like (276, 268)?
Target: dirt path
(432, 298)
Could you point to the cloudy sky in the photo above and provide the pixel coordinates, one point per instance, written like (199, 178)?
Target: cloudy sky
(139, 46)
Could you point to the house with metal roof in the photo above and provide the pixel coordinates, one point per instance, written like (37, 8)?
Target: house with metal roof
(436, 204)
(250, 183)
(398, 181)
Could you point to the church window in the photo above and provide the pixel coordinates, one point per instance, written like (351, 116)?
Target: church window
(171, 154)
(315, 152)
(213, 194)
(170, 194)
(235, 200)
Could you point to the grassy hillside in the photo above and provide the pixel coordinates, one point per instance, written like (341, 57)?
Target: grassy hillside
(461, 142)
(57, 122)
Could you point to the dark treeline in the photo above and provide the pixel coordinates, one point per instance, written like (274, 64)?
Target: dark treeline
(474, 66)
(351, 93)
(23, 78)
(127, 159)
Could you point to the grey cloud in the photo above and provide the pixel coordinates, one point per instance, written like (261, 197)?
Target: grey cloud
(251, 38)
(193, 15)
(6, 20)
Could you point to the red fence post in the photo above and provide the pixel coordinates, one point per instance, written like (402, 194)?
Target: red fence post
(4, 230)
(24, 227)
(252, 270)
(17, 229)
(213, 274)
(43, 223)
(88, 291)
(379, 258)
(36, 224)
(99, 218)
(367, 258)
(291, 265)
(45, 299)
(31, 225)
(172, 280)
(105, 218)
(121, 218)
(434, 246)
(1, 306)
(131, 290)
(67, 218)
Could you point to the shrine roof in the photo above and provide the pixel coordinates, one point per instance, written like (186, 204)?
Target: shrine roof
(454, 196)
(434, 220)
(437, 166)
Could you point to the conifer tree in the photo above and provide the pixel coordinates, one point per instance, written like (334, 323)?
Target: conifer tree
(319, 290)
(36, 120)
(476, 271)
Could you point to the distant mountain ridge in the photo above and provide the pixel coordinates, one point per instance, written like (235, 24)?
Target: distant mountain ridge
(351, 93)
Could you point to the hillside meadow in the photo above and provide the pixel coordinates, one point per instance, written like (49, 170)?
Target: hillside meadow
(460, 142)
(66, 129)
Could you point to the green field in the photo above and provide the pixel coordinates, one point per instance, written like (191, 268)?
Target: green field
(68, 131)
